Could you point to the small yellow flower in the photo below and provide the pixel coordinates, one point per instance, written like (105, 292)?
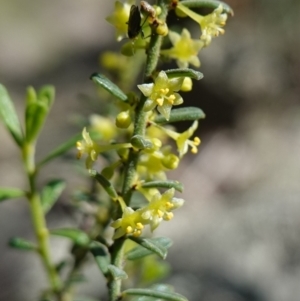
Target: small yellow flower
(161, 94)
(89, 147)
(160, 208)
(182, 140)
(92, 149)
(119, 18)
(211, 25)
(185, 49)
(129, 223)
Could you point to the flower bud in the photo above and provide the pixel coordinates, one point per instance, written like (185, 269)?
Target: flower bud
(170, 161)
(123, 120)
(187, 84)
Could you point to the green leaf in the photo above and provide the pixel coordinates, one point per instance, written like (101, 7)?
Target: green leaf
(47, 95)
(51, 193)
(109, 86)
(154, 293)
(71, 143)
(157, 287)
(163, 243)
(184, 72)
(22, 244)
(37, 109)
(10, 193)
(164, 184)
(34, 119)
(76, 278)
(101, 255)
(182, 114)
(108, 187)
(9, 116)
(77, 236)
(152, 245)
(117, 273)
(213, 4)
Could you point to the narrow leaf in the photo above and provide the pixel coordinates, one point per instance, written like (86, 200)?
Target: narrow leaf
(213, 4)
(164, 184)
(107, 185)
(139, 142)
(10, 193)
(117, 273)
(71, 143)
(22, 244)
(77, 236)
(109, 86)
(182, 114)
(184, 72)
(101, 255)
(51, 193)
(140, 251)
(152, 245)
(154, 293)
(9, 116)
(157, 287)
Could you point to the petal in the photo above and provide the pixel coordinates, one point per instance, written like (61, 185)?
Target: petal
(174, 37)
(149, 105)
(177, 202)
(161, 81)
(165, 110)
(194, 60)
(146, 89)
(182, 64)
(178, 99)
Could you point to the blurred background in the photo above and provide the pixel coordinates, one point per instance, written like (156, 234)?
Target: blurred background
(238, 236)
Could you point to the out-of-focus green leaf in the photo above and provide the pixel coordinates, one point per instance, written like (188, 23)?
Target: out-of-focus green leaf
(51, 193)
(10, 193)
(154, 293)
(9, 116)
(77, 236)
(157, 287)
(22, 244)
(37, 109)
(162, 243)
(101, 255)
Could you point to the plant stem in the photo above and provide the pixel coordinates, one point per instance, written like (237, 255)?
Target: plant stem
(130, 168)
(140, 116)
(38, 218)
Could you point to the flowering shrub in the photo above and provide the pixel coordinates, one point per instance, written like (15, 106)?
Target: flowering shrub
(134, 142)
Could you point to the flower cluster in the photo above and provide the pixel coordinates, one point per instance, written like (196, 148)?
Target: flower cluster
(159, 208)
(144, 120)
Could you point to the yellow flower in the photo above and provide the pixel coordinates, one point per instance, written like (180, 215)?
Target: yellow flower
(129, 223)
(182, 140)
(211, 25)
(92, 149)
(185, 49)
(104, 126)
(160, 208)
(161, 94)
(119, 18)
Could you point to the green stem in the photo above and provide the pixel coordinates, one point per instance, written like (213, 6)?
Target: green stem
(114, 285)
(38, 218)
(140, 116)
(130, 168)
